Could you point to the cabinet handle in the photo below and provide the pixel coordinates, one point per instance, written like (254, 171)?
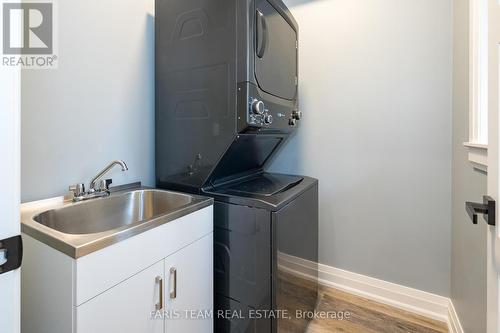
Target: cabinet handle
(173, 274)
(159, 305)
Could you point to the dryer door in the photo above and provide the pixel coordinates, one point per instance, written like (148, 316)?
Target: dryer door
(275, 52)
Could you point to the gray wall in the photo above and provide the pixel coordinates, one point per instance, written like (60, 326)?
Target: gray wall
(98, 105)
(375, 91)
(468, 264)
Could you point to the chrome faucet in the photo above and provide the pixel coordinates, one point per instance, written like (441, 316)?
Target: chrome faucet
(98, 187)
(104, 171)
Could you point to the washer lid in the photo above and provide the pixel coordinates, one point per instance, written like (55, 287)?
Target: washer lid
(232, 193)
(264, 184)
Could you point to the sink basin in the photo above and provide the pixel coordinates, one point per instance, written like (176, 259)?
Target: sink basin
(78, 229)
(113, 212)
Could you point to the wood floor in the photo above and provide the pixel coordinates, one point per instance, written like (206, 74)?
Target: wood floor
(365, 316)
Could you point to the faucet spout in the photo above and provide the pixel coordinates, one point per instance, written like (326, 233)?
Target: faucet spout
(104, 171)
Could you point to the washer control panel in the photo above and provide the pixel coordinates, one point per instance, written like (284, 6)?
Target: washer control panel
(258, 114)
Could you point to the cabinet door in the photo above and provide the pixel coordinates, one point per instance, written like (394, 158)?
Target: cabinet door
(189, 294)
(127, 307)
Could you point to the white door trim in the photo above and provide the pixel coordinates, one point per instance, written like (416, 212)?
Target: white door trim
(10, 106)
(493, 246)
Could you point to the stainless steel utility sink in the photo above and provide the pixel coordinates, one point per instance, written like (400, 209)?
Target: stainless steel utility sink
(112, 212)
(78, 229)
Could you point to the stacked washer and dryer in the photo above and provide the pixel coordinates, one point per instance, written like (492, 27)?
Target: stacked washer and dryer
(226, 101)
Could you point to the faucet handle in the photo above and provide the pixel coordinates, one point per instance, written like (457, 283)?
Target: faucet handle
(77, 189)
(104, 184)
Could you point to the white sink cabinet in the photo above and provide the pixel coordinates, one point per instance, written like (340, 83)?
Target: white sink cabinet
(159, 281)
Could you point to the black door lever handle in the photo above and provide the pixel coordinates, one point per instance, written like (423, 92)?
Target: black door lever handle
(487, 208)
(12, 249)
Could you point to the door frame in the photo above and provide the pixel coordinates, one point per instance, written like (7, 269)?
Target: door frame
(10, 119)
(493, 243)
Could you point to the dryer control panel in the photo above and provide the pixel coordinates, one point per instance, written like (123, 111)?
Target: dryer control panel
(258, 114)
(260, 111)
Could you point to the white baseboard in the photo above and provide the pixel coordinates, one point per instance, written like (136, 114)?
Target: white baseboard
(405, 298)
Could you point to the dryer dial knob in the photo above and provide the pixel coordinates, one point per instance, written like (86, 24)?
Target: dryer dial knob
(296, 114)
(258, 107)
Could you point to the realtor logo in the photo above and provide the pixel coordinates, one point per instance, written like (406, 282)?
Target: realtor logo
(28, 34)
(35, 20)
